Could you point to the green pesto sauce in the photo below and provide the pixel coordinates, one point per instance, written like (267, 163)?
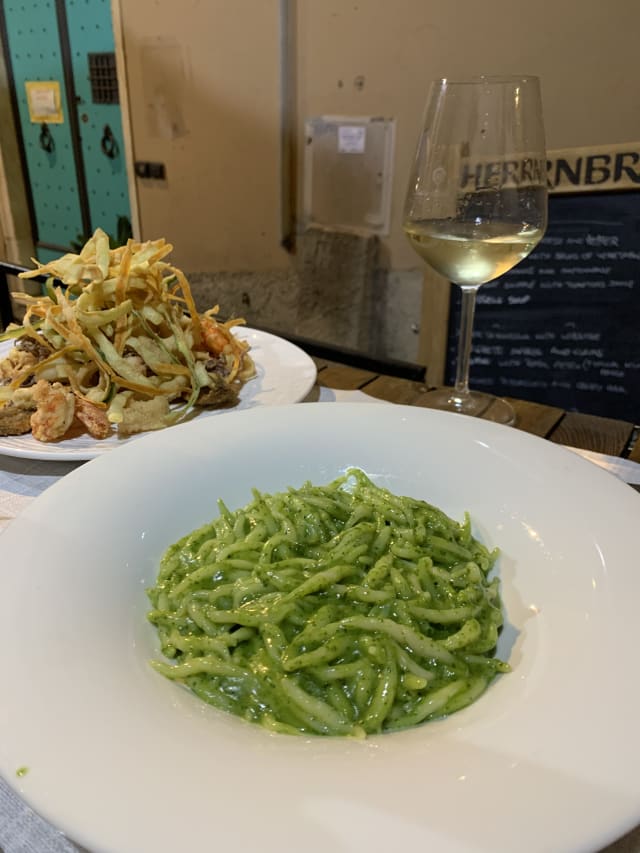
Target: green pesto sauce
(331, 610)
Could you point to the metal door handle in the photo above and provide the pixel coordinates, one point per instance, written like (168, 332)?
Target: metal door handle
(109, 143)
(46, 140)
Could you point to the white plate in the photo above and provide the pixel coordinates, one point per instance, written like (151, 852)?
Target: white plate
(123, 760)
(285, 374)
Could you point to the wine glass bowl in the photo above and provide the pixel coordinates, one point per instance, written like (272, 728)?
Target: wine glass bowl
(476, 204)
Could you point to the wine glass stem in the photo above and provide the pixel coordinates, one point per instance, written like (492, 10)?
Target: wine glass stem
(467, 311)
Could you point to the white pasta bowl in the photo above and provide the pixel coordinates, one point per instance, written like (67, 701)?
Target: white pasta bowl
(121, 759)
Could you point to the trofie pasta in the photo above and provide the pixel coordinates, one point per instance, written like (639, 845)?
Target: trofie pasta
(333, 610)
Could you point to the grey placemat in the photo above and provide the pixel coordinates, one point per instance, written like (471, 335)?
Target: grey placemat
(23, 831)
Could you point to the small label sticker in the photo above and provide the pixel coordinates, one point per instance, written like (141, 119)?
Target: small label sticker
(43, 100)
(352, 138)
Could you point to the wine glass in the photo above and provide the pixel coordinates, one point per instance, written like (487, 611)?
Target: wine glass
(476, 203)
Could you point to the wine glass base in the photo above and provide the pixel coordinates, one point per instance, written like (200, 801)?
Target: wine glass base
(477, 404)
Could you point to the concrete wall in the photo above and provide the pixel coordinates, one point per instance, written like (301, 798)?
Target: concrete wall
(205, 99)
(203, 81)
(205, 94)
(373, 57)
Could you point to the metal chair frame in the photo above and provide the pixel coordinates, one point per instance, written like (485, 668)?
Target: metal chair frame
(6, 308)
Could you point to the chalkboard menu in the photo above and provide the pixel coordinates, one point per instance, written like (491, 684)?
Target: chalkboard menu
(563, 327)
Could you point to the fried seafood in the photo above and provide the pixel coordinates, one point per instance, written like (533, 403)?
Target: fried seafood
(55, 410)
(117, 346)
(15, 416)
(17, 362)
(93, 418)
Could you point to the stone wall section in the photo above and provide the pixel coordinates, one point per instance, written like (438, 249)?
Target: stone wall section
(337, 291)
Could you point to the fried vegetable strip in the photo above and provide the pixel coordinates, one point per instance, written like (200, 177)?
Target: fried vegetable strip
(119, 328)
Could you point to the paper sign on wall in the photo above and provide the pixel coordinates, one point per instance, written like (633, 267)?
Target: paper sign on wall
(43, 99)
(351, 138)
(348, 172)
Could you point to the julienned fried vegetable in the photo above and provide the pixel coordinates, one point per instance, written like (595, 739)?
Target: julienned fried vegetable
(116, 344)
(333, 610)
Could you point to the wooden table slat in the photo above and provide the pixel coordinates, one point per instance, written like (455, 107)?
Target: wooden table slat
(343, 377)
(320, 363)
(635, 447)
(536, 418)
(531, 417)
(588, 432)
(395, 390)
(591, 432)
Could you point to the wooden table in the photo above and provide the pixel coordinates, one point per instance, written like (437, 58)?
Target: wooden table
(588, 432)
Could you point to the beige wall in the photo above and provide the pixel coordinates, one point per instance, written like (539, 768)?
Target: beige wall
(585, 52)
(16, 243)
(204, 90)
(203, 80)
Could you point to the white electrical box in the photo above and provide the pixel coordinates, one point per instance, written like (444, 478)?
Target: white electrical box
(348, 172)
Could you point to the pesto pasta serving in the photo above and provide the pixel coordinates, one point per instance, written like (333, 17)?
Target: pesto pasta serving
(332, 610)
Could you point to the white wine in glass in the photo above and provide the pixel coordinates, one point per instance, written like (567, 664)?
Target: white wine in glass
(477, 201)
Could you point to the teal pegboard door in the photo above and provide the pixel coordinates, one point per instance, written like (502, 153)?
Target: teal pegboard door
(35, 54)
(81, 182)
(90, 31)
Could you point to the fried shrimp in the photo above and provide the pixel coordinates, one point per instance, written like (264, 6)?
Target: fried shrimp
(93, 418)
(212, 337)
(55, 410)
